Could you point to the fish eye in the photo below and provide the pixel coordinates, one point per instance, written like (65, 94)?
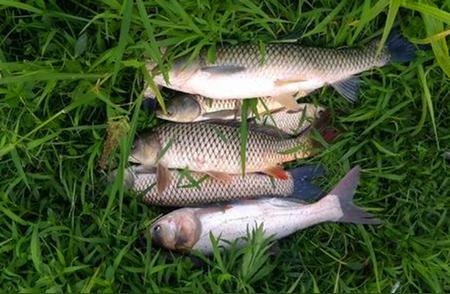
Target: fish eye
(170, 110)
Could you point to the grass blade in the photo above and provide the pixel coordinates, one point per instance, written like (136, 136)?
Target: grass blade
(434, 12)
(35, 248)
(368, 15)
(46, 75)
(19, 5)
(243, 133)
(429, 101)
(127, 8)
(439, 46)
(321, 26)
(392, 13)
(14, 217)
(17, 162)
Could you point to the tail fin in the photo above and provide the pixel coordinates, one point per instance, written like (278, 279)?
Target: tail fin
(302, 176)
(400, 49)
(345, 191)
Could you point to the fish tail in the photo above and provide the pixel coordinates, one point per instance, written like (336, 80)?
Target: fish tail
(345, 191)
(399, 48)
(301, 177)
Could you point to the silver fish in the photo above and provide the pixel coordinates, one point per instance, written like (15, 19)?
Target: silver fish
(190, 228)
(194, 108)
(242, 71)
(190, 188)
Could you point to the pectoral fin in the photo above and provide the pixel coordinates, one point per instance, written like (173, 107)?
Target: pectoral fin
(287, 101)
(163, 178)
(282, 82)
(212, 209)
(221, 115)
(277, 172)
(223, 69)
(220, 176)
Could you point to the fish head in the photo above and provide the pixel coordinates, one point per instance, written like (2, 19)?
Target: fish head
(181, 108)
(145, 151)
(179, 75)
(178, 230)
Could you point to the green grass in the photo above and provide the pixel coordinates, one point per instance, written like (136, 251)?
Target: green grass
(69, 70)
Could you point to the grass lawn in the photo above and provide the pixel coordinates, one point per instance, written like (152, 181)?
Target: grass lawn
(71, 73)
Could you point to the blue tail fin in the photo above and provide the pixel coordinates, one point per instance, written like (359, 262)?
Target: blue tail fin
(303, 188)
(400, 49)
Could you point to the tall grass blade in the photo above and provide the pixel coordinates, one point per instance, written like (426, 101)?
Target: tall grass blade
(243, 133)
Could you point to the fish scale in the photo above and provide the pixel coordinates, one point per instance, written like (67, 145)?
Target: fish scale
(181, 191)
(216, 147)
(285, 59)
(291, 123)
(211, 105)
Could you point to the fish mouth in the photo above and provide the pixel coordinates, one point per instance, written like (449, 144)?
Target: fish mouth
(165, 115)
(161, 114)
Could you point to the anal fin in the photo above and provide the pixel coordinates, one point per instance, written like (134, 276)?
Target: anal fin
(348, 88)
(277, 172)
(281, 82)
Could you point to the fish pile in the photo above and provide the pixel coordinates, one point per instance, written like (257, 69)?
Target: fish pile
(194, 161)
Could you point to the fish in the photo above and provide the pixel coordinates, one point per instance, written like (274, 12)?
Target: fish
(184, 107)
(189, 228)
(214, 149)
(292, 122)
(280, 70)
(190, 188)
